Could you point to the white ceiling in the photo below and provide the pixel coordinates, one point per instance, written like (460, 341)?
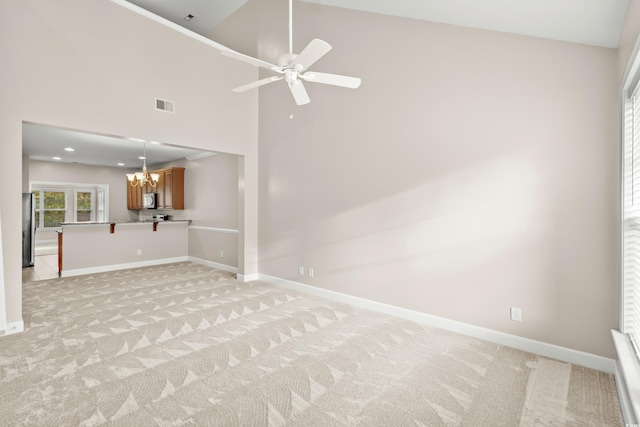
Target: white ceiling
(45, 142)
(207, 13)
(592, 22)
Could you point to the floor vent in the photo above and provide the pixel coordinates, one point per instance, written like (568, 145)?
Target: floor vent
(164, 105)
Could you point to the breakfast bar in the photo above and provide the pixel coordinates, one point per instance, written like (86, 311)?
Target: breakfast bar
(93, 247)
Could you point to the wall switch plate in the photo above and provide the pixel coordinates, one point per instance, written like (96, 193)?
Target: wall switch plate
(516, 314)
(310, 272)
(139, 252)
(301, 271)
(221, 254)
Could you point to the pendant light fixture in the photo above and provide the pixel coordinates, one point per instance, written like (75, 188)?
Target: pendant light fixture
(143, 178)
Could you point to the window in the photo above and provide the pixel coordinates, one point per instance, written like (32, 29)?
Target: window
(56, 203)
(84, 206)
(627, 341)
(50, 208)
(631, 224)
(630, 309)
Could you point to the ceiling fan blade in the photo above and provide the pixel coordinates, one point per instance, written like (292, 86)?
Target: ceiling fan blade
(299, 92)
(258, 83)
(331, 79)
(315, 50)
(250, 60)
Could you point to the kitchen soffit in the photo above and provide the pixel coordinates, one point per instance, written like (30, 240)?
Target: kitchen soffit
(41, 142)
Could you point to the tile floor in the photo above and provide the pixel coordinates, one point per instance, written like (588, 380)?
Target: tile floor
(45, 267)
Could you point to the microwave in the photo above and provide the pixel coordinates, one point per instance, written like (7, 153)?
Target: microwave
(150, 200)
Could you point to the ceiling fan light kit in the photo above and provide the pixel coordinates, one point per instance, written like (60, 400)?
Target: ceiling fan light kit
(293, 69)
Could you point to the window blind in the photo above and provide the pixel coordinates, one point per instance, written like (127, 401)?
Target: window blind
(631, 217)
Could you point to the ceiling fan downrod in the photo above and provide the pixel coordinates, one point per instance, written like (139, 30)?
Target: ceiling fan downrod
(291, 26)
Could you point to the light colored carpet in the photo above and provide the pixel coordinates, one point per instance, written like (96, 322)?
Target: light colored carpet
(183, 344)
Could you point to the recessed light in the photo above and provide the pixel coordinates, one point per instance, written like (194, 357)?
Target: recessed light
(120, 164)
(136, 139)
(57, 158)
(141, 157)
(69, 149)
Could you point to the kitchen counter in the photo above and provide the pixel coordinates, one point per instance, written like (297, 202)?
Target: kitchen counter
(146, 221)
(93, 247)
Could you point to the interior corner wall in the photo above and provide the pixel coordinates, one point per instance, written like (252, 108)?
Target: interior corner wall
(211, 204)
(97, 67)
(471, 172)
(211, 191)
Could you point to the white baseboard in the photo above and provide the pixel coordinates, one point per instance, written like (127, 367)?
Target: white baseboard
(13, 328)
(114, 267)
(46, 243)
(213, 264)
(525, 344)
(249, 277)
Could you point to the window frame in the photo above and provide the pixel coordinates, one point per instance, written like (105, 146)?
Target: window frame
(41, 209)
(93, 211)
(628, 367)
(99, 200)
(630, 104)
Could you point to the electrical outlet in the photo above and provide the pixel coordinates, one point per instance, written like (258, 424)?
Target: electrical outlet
(310, 272)
(221, 254)
(516, 314)
(301, 271)
(139, 251)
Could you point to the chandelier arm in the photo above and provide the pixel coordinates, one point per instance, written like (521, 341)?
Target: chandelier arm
(143, 178)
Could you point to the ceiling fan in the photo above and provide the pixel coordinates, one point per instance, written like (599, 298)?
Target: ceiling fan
(294, 68)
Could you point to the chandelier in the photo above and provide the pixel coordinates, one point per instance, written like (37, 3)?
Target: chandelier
(143, 178)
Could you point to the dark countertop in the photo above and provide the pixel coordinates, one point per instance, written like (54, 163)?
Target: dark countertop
(148, 221)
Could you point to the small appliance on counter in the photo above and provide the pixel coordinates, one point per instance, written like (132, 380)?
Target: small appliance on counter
(161, 217)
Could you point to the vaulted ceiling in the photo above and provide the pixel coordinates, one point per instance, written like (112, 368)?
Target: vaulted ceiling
(592, 22)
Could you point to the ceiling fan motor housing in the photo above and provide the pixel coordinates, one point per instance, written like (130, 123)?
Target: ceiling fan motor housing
(286, 59)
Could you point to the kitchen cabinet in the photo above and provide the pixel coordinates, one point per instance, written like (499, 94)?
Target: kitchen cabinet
(169, 189)
(134, 196)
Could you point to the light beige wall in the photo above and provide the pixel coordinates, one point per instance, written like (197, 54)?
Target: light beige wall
(211, 203)
(211, 191)
(93, 246)
(213, 245)
(83, 174)
(471, 172)
(95, 66)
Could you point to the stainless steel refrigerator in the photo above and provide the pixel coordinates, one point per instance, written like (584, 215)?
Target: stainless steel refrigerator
(28, 230)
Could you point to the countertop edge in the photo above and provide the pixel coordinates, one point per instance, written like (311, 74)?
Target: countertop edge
(91, 224)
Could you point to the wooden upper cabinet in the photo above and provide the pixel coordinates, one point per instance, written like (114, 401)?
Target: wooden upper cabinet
(170, 188)
(134, 196)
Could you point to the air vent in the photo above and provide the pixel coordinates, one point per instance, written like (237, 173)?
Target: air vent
(164, 105)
